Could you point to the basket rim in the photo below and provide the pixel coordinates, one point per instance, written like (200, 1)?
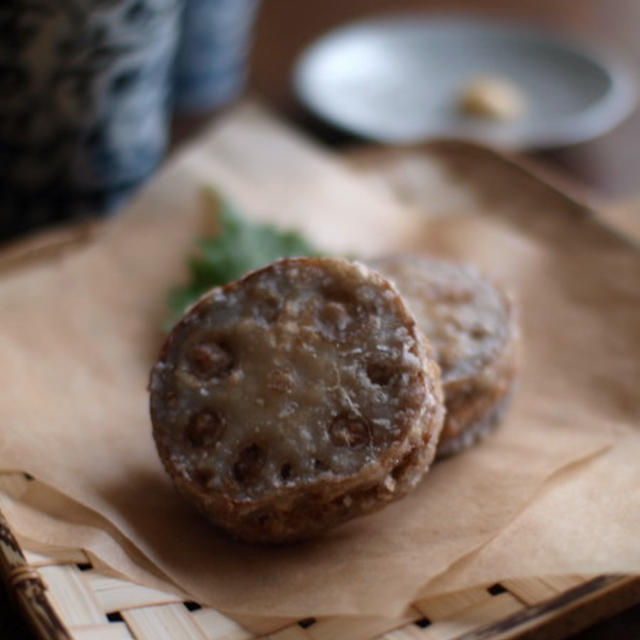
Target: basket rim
(27, 588)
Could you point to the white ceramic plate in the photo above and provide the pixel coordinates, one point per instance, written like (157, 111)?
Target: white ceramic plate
(398, 79)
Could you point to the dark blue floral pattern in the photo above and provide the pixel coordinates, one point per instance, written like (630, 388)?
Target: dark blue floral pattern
(84, 90)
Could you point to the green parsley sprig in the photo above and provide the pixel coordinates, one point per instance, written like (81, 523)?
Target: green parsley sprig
(239, 245)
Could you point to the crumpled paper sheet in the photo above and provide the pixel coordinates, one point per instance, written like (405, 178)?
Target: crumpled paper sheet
(50, 522)
(79, 334)
(562, 518)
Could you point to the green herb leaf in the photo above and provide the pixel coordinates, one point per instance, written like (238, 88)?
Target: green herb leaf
(238, 246)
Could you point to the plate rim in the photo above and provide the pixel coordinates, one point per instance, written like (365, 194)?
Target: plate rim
(616, 104)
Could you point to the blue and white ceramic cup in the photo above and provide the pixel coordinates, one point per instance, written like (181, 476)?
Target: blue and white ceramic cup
(84, 97)
(211, 65)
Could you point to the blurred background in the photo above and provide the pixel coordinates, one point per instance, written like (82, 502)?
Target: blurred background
(94, 94)
(608, 165)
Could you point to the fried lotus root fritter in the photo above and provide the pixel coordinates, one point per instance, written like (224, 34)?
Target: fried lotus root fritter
(296, 398)
(471, 325)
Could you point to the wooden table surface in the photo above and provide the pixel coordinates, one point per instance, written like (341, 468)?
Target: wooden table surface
(609, 166)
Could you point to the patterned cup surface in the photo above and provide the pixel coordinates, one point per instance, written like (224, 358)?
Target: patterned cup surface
(84, 96)
(211, 62)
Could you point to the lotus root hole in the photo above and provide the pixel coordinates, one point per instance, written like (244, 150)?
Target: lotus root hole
(285, 471)
(205, 428)
(269, 309)
(203, 476)
(478, 332)
(210, 360)
(379, 373)
(320, 465)
(249, 462)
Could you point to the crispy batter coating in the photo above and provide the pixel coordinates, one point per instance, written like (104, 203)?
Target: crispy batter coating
(296, 398)
(471, 325)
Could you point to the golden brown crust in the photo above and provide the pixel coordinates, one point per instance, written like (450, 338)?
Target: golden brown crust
(296, 398)
(472, 326)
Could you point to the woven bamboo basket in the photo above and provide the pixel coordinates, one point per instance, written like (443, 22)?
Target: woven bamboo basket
(64, 597)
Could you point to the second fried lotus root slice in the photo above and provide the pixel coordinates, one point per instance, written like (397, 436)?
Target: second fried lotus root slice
(471, 326)
(296, 398)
